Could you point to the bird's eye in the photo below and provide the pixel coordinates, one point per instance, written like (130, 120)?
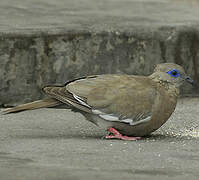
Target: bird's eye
(174, 73)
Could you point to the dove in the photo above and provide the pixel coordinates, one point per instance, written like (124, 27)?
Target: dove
(127, 106)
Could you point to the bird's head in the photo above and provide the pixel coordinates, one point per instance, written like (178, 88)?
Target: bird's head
(171, 73)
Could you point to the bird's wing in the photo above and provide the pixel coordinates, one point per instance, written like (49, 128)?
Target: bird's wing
(61, 94)
(121, 98)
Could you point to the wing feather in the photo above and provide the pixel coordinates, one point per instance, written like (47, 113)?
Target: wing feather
(122, 98)
(61, 94)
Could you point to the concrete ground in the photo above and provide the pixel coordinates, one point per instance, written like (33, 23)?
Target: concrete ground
(57, 144)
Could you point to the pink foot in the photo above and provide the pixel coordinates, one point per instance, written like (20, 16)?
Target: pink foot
(117, 135)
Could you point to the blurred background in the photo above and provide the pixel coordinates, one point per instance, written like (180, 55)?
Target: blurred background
(46, 42)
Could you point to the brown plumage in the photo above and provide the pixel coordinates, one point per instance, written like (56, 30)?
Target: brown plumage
(134, 105)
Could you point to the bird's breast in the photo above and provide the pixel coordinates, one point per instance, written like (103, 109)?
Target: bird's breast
(163, 108)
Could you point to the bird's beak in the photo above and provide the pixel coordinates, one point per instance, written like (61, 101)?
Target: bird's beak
(189, 80)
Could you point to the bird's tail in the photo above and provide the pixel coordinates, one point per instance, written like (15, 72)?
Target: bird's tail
(49, 102)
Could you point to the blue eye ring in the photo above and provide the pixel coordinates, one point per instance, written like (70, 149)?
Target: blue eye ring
(174, 73)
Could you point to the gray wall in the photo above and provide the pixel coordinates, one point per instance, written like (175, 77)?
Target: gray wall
(28, 62)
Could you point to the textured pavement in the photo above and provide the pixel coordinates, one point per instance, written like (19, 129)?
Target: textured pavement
(59, 144)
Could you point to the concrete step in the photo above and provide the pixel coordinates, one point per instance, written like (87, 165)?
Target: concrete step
(46, 42)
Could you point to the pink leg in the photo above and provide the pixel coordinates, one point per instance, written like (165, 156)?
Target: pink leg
(117, 135)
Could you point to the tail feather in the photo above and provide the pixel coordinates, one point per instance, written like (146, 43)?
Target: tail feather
(50, 102)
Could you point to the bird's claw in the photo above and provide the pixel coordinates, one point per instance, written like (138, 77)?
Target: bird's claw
(118, 135)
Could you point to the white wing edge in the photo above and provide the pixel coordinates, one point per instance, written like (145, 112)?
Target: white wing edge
(112, 117)
(80, 100)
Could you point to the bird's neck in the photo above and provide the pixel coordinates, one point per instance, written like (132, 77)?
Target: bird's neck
(171, 88)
